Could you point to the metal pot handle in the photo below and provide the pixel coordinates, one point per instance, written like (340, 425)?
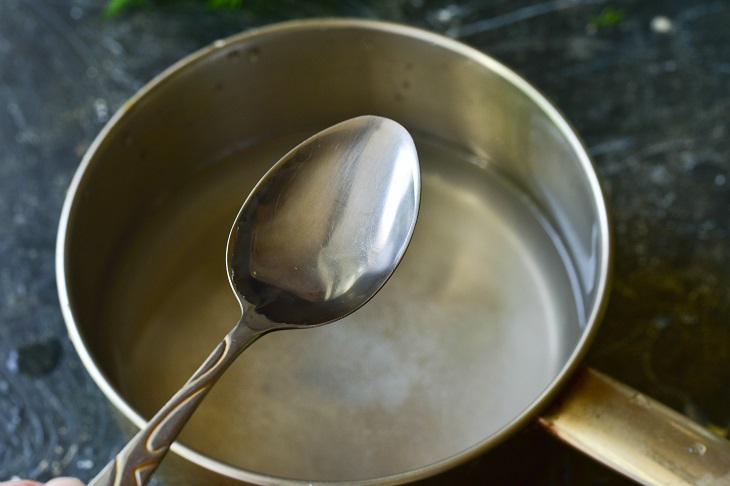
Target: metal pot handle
(636, 435)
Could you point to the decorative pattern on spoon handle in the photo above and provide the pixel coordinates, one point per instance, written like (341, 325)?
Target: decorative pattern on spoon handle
(134, 464)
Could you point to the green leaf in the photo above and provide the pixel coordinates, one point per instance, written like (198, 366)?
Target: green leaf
(231, 4)
(609, 16)
(113, 7)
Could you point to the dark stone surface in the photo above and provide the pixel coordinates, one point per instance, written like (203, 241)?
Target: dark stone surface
(646, 83)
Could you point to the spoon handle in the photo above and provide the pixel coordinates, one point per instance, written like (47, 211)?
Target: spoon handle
(136, 462)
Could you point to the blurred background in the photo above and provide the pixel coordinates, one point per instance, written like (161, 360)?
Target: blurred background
(646, 83)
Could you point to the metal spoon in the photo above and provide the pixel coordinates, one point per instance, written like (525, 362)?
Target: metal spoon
(316, 239)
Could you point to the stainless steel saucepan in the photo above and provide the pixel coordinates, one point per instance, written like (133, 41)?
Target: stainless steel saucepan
(480, 331)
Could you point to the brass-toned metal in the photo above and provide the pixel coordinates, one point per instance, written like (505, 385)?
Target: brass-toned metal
(636, 435)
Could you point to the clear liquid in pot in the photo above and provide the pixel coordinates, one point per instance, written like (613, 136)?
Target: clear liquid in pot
(476, 322)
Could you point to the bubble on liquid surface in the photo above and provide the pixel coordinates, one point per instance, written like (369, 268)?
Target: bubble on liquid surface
(254, 54)
(234, 56)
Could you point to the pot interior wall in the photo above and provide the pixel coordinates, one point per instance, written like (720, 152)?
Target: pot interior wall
(483, 314)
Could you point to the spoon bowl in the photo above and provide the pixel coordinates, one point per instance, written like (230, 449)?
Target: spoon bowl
(327, 225)
(317, 238)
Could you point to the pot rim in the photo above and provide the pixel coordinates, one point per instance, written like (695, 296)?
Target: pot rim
(283, 28)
